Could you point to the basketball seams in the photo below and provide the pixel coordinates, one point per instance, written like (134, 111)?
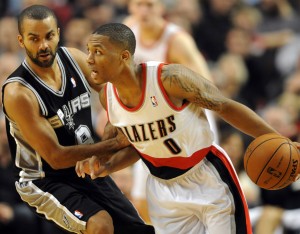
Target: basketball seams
(291, 143)
(287, 168)
(270, 159)
(269, 139)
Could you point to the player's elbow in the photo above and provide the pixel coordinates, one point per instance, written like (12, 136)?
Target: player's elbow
(54, 158)
(54, 164)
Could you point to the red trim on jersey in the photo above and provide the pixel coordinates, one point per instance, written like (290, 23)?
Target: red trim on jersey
(178, 162)
(105, 91)
(233, 175)
(143, 92)
(167, 99)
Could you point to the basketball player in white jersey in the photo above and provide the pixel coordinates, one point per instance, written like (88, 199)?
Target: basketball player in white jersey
(193, 187)
(160, 40)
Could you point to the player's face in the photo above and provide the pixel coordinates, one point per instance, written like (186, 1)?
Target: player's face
(40, 40)
(104, 59)
(146, 11)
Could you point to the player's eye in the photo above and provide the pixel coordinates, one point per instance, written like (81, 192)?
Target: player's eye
(34, 39)
(50, 36)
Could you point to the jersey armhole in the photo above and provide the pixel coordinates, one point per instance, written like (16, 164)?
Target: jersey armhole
(165, 95)
(106, 101)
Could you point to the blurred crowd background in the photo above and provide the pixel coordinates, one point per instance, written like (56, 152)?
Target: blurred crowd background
(252, 48)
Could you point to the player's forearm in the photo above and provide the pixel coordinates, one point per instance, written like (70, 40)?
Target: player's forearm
(66, 157)
(246, 120)
(122, 159)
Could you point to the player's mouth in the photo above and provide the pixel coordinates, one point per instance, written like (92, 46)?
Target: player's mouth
(94, 74)
(45, 55)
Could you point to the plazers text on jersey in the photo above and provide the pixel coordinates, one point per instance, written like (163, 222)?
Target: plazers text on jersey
(150, 131)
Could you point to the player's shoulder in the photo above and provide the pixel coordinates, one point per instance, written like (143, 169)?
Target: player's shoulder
(16, 94)
(80, 57)
(74, 52)
(170, 72)
(16, 89)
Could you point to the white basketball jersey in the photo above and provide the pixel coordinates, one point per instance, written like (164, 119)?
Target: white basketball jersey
(164, 134)
(159, 50)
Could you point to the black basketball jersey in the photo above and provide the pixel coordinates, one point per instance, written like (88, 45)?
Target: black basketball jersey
(67, 110)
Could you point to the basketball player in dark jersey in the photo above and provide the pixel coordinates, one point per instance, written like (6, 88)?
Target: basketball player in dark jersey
(47, 105)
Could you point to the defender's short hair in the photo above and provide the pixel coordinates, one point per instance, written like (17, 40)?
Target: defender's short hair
(36, 12)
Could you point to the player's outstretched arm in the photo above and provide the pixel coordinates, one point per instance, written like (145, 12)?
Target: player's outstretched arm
(22, 107)
(95, 167)
(102, 166)
(182, 84)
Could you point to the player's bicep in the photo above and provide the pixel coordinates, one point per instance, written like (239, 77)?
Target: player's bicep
(185, 84)
(23, 108)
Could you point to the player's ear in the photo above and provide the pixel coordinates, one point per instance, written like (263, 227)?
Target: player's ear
(20, 40)
(125, 55)
(58, 33)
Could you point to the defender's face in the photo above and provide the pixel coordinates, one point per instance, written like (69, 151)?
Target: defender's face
(40, 40)
(104, 59)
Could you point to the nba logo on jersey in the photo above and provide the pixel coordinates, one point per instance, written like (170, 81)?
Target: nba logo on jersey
(73, 82)
(78, 214)
(154, 101)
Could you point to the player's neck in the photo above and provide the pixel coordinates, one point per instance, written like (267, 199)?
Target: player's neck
(50, 75)
(130, 90)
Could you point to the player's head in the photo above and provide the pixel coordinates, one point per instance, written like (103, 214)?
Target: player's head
(39, 34)
(111, 47)
(119, 35)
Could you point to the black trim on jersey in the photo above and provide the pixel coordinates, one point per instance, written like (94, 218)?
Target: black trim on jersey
(239, 215)
(164, 172)
(61, 92)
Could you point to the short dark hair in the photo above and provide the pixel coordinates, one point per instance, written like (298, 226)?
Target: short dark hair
(36, 12)
(119, 34)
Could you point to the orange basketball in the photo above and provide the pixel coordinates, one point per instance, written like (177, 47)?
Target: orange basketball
(272, 161)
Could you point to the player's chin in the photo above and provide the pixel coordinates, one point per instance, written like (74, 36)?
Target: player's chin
(96, 78)
(94, 74)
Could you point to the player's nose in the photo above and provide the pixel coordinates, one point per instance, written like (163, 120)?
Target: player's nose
(90, 59)
(44, 45)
